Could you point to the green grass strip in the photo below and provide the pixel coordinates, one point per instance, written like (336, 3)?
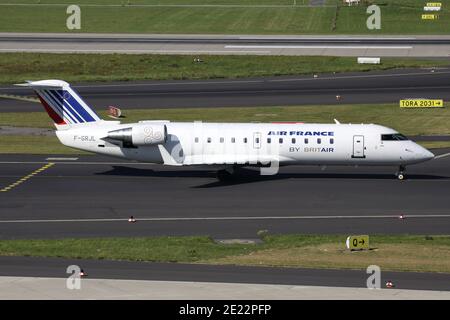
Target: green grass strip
(18, 67)
(390, 252)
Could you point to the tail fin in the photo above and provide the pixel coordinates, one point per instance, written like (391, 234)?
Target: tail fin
(62, 103)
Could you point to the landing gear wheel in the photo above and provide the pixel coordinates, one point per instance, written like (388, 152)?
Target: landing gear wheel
(401, 173)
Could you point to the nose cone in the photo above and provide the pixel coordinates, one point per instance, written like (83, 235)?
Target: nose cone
(428, 155)
(424, 154)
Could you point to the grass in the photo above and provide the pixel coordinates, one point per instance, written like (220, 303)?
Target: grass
(17, 67)
(398, 16)
(399, 253)
(435, 144)
(34, 145)
(237, 20)
(168, 249)
(395, 253)
(163, 2)
(408, 121)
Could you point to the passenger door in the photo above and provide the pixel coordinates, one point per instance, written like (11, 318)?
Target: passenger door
(358, 147)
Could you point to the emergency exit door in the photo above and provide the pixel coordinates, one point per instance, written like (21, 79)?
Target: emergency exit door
(358, 147)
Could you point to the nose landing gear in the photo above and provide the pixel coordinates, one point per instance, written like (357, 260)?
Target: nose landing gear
(401, 173)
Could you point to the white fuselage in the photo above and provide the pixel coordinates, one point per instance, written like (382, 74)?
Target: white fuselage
(198, 143)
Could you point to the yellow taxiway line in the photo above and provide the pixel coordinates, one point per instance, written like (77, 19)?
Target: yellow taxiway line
(25, 178)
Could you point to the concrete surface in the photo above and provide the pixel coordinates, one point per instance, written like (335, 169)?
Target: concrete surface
(22, 288)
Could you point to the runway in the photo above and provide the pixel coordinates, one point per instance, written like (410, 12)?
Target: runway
(104, 269)
(93, 196)
(364, 87)
(380, 46)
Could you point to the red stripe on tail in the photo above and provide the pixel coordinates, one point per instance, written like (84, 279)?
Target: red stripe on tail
(55, 117)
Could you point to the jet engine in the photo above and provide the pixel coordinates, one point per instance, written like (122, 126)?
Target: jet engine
(140, 135)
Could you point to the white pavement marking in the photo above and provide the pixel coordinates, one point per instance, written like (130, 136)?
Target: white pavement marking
(62, 159)
(21, 288)
(365, 47)
(363, 76)
(421, 216)
(164, 5)
(337, 77)
(82, 163)
(275, 90)
(130, 51)
(19, 98)
(352, 38)
(442, 155)
(156, 84)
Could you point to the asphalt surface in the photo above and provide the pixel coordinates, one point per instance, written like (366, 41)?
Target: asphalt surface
(367, 87)
(103, 269)
(94, 196)
(356, 46)
(229, 39)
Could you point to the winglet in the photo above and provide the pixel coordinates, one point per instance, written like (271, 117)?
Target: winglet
(27, 84)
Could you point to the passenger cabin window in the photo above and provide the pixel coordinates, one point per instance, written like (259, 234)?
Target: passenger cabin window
(331, 141)
(293, 140)
(233, 140)
(222, 140)
(257, 140)
(245, 140)
(306, 141)
(280, 140)
(393, 137)
(196, 139)
(319, 141)
(269, 140)
(209, 140)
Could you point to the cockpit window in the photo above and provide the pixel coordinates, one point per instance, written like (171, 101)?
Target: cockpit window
(393, 137)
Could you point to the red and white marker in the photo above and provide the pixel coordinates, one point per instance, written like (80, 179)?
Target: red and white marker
(389, 284)
(82, 273)
(114, 112)
(132, 219)
(402, 216)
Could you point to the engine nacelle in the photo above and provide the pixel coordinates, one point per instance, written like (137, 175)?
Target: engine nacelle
(140, 135)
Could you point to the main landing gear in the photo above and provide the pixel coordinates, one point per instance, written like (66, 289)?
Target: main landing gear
(230, 173)
(227, 174)
(224, 175)
(401, 173)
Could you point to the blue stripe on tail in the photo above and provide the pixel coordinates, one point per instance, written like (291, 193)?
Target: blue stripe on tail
(66, 111)
(74, 107)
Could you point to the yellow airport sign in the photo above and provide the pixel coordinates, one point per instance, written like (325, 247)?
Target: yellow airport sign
(421, 103)
(357, 242)
(430, 16)
(434, 4)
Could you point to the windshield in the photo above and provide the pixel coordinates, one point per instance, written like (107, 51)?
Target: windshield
(393, 137)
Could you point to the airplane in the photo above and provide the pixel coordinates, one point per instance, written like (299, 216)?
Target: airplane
(225, 147)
